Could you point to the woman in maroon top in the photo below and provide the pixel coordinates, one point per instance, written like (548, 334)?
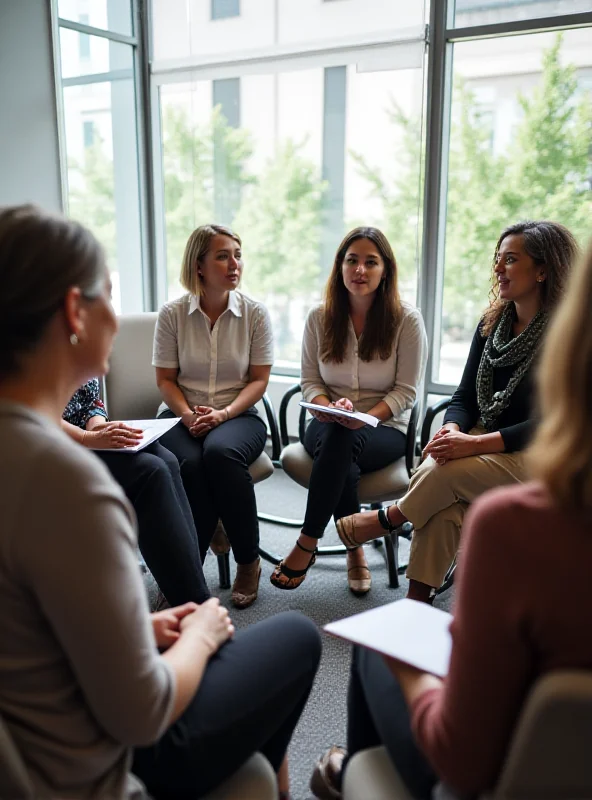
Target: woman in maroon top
(458, 730)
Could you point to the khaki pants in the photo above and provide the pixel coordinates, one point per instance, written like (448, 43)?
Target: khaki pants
(436, 502)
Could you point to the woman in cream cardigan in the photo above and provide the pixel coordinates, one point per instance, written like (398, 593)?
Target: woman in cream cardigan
(363, 348)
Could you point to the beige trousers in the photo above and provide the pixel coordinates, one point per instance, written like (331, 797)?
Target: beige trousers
(436, 502)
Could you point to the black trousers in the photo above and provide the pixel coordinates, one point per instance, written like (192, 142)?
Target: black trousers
(377, 714)
(250, 699)
(167, 537)
(215, 473)
(341, 456)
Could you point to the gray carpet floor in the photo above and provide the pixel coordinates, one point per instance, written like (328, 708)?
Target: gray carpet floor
(324, 596)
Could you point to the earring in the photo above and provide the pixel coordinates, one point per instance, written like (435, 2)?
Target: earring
(540, 279)
(73, 339)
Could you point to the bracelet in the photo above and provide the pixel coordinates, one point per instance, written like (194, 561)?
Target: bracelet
(227, 414)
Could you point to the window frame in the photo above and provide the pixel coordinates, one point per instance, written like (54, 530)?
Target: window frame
(441, 41)
(144, 297)
(440, 37)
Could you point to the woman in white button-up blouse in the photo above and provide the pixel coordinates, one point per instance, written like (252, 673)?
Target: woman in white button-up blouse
(213, 351)
(363, 348)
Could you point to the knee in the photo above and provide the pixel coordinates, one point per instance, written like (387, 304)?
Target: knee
(304, 635)
(337, 440)
(152, 467)
(432, 474)
(218, 457)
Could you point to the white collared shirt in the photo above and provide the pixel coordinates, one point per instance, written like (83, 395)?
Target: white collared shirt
(213, 362)
(395, 380)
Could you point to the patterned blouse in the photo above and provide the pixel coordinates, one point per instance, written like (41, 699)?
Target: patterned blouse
(84, 404)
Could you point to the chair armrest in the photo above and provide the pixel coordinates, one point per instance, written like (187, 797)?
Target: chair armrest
(430, 415)
(411, 447)
(273, 427)
(293, 390)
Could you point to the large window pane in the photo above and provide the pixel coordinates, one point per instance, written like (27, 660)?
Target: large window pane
(185, 28)
(102, 166)
(291, 161)
(111, 15)
(521, 148)
(468, 13)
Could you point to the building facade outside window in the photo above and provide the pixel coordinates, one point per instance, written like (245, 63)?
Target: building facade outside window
(293, 122)
(98, 98)
(223, 9)
(291, 155)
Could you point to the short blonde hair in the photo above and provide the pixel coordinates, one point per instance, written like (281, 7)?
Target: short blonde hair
(196, 248)
(561, 453)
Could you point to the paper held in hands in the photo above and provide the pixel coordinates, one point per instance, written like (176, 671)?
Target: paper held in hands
(368, 419)
(153, 429)
(412, 632)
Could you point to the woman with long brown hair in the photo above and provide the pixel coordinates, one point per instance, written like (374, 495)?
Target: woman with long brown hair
(458, 730)
(363, 348)
(490, 419)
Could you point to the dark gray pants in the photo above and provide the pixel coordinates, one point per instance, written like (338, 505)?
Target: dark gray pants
(377, 714)
(250, 699)
(167, 537)
(341, 456)
(215, 472)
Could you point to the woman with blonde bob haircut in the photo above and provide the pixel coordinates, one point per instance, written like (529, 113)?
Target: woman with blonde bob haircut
(213, 351)
(502, 642)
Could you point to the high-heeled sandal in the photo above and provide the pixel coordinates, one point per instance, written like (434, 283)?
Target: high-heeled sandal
(346, 528)
(295, 576)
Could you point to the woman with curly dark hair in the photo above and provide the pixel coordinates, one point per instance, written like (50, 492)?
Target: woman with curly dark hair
(490, 418)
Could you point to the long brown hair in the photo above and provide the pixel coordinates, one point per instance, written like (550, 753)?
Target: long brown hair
(561, 453)
(42, 256)
(196, 248)
(385, 313)
(549, 244)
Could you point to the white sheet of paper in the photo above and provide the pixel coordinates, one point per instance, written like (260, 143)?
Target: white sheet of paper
(412, 632)
(153, 430)
(339, 412)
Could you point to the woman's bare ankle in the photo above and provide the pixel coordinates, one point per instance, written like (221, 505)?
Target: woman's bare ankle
(394, 515)
(419, 591)
(309, 542)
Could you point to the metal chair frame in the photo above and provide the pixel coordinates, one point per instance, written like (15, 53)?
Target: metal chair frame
(426, 429)
(390, 540)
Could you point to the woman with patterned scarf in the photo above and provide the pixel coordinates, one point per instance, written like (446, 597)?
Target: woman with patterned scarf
(490, 418)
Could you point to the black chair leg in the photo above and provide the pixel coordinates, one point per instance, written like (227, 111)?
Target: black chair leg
(391, 544)
(224, 570)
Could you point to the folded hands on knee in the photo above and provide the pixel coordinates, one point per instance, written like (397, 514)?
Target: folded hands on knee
(449, 443)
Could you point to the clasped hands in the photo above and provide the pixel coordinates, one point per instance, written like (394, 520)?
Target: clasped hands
(211, 619)
(203, 419)
(449, 443)
(346, 405)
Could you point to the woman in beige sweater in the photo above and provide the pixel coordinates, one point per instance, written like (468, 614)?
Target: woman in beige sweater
(363, 348)
(81, 678)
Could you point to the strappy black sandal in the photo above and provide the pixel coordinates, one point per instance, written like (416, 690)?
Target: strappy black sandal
(295, 576)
